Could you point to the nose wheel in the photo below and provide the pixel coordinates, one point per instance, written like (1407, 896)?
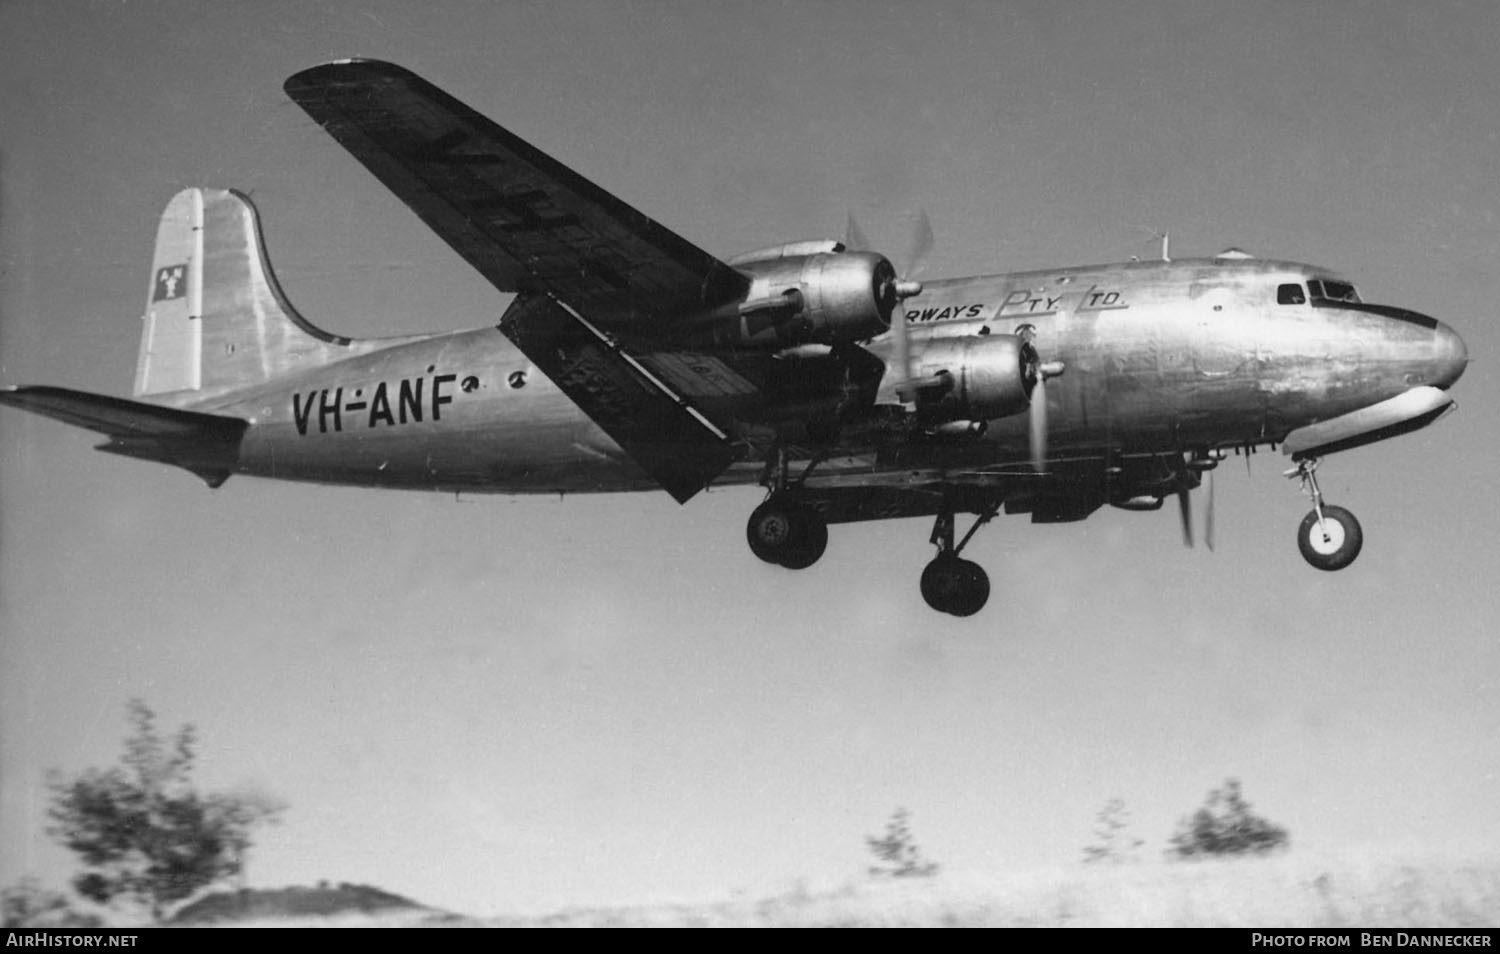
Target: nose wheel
(1329, 538)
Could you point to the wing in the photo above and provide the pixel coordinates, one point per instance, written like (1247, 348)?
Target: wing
(579, 259)
(525, 221)
(206, 444)
(637, 400)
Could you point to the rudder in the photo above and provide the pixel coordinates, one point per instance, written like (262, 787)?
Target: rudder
(171, 354)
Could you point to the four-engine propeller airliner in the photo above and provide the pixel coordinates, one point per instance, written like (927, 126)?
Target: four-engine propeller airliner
(630, 359)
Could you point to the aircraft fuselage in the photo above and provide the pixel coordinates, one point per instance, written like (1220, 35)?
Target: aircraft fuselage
(1159, 357)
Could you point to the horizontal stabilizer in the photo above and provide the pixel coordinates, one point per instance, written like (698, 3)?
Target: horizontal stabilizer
(656, 426)
(206, 444)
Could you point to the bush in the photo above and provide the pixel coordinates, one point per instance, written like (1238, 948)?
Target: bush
(1225, 826)
(1113, 844)
(29, 905)
(898, 849)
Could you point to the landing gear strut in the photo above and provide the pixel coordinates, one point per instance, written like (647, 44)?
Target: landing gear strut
(1329, 538)
(784, 530)
(951, 584)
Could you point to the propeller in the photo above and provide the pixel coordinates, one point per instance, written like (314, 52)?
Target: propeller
(1037, 424)
(898, 289)
(1037, 412)
(854, 236)
(901, 288)
(1208, 521)
(922, 243)
(1184, 487)
(1185, 509)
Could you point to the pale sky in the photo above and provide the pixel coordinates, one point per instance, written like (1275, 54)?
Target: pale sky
(507, 704)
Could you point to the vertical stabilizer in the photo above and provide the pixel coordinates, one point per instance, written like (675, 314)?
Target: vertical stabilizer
(216, 320)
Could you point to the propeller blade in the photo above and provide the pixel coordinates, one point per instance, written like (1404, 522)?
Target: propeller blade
(903, 288)
(1038, 425)
(903, 354)
(1185, 508)
(1208, 521)
(922, 243)
(854, 236)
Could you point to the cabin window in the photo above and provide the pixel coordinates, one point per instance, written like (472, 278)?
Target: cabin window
(1290, 294)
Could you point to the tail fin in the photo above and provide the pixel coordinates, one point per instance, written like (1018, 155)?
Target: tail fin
(216, 320)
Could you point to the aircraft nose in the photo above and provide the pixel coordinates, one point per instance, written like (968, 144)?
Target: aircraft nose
(1451, 356)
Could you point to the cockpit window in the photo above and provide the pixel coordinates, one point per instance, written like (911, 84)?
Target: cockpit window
(1330, 290)
(1290, 294)
(1341, 296)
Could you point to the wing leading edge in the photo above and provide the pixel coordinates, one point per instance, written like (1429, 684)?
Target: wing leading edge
(524, 220)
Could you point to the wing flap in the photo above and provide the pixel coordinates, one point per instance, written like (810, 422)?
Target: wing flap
(524, 220)
(656, 426)
(206, 444)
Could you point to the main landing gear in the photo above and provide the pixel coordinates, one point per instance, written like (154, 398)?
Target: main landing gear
(1329, 538)
(788, 531)
(951, 584)
(785, 530)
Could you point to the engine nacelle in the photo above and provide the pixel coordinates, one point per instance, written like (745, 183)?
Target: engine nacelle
(976, 377)
(822, 298)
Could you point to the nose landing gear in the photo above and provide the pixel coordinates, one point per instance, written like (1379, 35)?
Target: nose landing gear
(1329, 538)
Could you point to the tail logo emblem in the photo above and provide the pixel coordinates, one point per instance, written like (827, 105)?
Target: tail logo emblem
(169, 283)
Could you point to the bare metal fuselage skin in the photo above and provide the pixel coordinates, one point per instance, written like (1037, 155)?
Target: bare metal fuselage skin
(1159, 358)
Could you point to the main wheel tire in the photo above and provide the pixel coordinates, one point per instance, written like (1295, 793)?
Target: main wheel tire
(1334, 545)
(809, 542)
(787, 533)
(955, 586)
(771, 529)
(976, 590)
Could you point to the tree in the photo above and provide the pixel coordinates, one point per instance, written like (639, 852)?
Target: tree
(899, 851)
(1225, 826)
(1112, 845)
(143, 832)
